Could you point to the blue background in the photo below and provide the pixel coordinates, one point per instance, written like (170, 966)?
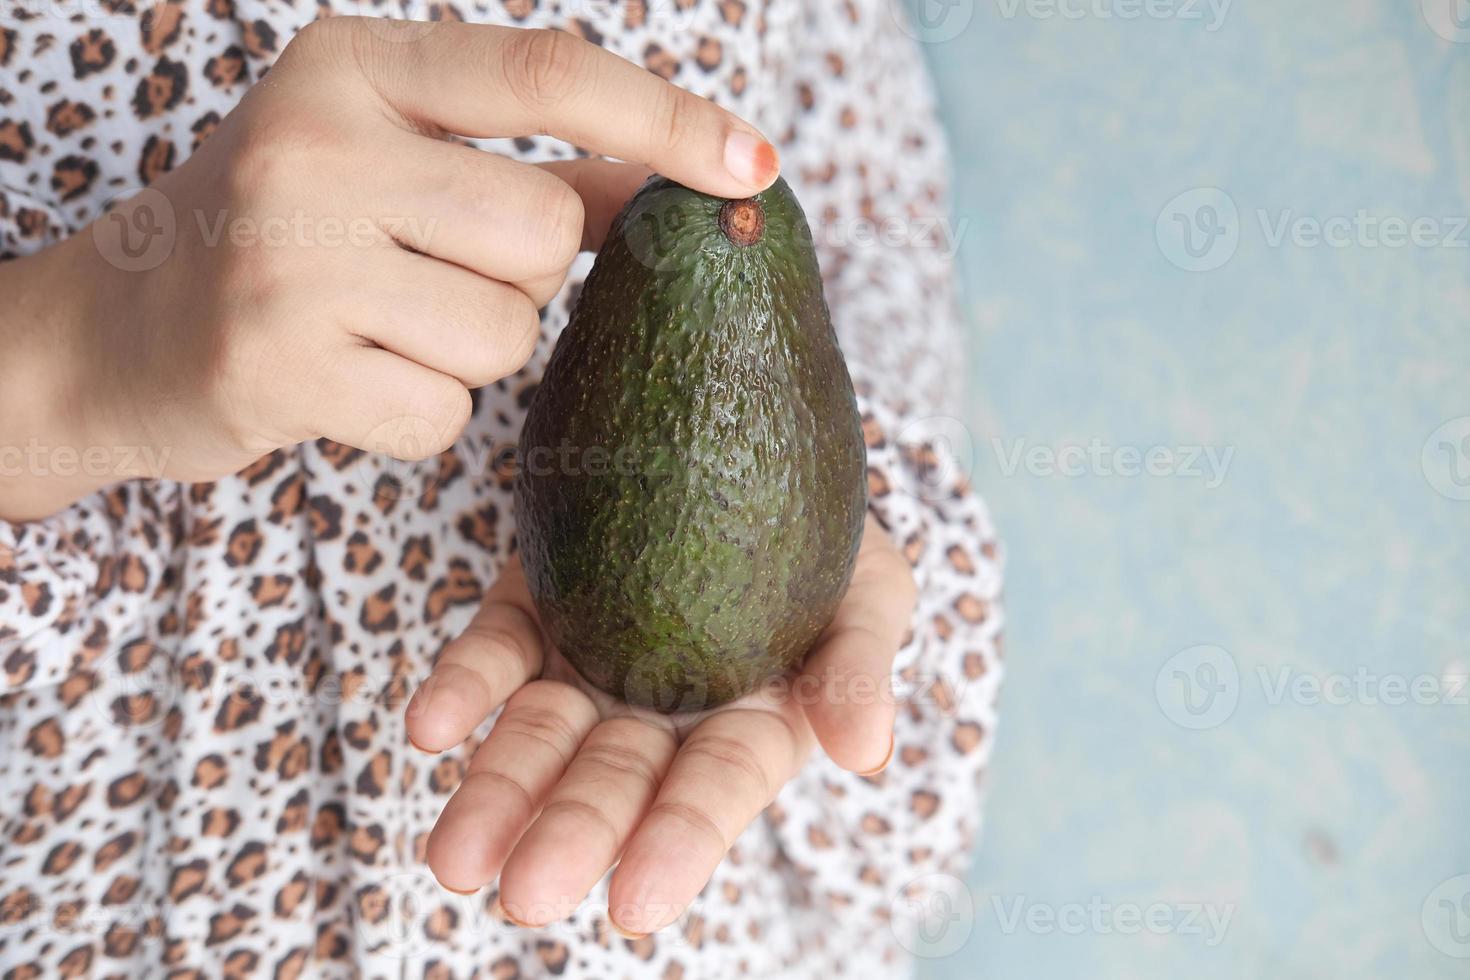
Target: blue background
(1332, 829)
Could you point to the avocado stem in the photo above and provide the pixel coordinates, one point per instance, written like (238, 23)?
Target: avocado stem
(743, 221)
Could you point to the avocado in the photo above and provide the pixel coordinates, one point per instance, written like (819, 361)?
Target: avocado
(692, 473)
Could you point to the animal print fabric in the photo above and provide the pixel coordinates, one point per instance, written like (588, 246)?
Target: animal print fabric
(202, 755)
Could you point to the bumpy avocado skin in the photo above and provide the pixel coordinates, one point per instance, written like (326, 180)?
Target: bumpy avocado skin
(691, 487)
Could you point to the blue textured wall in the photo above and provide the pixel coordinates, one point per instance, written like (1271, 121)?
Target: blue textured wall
(1234, 691)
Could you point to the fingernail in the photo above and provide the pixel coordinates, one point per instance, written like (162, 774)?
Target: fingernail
(886, 759)
(630, 936)
(750, 159)
(458, 891)
(420, 747)
(499, 911)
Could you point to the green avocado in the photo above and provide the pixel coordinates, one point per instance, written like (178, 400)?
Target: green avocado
(691, 482)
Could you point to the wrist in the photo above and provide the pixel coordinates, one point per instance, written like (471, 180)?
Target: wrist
(56, 440)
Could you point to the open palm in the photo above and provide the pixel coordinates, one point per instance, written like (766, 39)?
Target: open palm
(571, 781)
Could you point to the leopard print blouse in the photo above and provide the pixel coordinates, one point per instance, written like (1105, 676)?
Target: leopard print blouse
(202, 756)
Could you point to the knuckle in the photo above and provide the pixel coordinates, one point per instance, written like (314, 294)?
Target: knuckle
(523, 324)
(584, 812)
(728, 754)
(621, 761)
(507, 637)
(692, 817)
(494, 637)
(541, 725)
(509, 328)
(501, 784)
(272, 158)
(326, 39)
(559, 219)
(444, 405)
(674, 119)
(306, 41)
(317, 32)
(542, 67)
(255, 168)
(324, 29)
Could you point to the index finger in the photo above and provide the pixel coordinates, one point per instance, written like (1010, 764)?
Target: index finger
(486, 81)
(495, 656)
(731, 768)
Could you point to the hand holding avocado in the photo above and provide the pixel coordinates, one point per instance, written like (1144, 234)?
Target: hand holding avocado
(578, 780)
(328, 265)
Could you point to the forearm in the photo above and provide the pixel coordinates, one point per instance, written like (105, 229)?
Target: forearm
(53, 450)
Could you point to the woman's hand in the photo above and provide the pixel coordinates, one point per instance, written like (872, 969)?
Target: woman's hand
(570, 782)
(328, 265)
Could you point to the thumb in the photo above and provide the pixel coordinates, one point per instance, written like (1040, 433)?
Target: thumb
(603, 186)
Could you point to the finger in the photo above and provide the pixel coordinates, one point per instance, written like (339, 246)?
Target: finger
(517, 223)
(504, 219)
(851, 667)
(375, 400)
(495, 656)
(728, 770)
(512, 771)
(606, 790)
(484, 81)
(544, 289)
(446, 318)
(604, 187)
